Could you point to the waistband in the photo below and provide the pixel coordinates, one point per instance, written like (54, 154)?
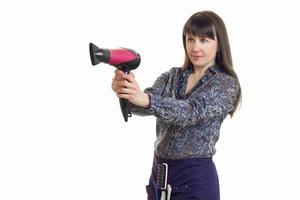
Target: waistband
(184, 161)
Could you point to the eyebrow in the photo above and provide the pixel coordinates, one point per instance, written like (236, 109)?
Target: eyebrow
(189, 35)
(200, 36)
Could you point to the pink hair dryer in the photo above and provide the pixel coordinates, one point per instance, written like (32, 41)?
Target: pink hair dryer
(123, 59)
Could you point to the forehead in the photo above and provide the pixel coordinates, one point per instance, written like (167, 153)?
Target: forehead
(192, 35)
(199, 36)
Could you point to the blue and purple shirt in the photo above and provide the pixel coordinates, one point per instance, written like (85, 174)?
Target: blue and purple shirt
(188, 125)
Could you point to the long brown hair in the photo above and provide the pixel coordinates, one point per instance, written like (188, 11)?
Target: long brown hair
(209, 24)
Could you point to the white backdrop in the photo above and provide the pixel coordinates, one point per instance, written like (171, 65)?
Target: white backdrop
(62, 135)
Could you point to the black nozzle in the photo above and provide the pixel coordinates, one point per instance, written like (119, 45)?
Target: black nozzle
(98, 55)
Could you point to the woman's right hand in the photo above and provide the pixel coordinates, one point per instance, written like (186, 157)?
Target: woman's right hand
(119, 83)
(125, 86)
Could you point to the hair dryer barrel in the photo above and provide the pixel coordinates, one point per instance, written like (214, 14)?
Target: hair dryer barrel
(122, 58)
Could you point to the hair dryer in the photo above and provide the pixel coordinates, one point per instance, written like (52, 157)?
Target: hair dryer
(123, 59)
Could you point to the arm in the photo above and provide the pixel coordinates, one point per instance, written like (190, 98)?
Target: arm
(217, 100)
(157, 89)
(126, 86)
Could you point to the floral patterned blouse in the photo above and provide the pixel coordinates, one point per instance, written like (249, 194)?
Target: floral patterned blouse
(188, 125)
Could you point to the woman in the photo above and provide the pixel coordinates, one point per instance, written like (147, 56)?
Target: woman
(190, 104)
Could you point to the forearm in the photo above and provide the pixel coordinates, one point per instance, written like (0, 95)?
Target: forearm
(142, 100)
(143, 108)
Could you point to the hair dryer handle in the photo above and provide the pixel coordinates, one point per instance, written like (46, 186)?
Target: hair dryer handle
(125, 109)
(124, 102)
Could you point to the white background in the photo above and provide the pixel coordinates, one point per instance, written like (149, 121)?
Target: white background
(62, 135)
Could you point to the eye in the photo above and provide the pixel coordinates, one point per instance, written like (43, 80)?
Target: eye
(203, 40)
(189, 39)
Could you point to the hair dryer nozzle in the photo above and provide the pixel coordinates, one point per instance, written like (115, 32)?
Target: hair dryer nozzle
(98, 55)
(93, 48)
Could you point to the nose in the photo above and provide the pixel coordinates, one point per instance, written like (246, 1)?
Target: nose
(196, 46)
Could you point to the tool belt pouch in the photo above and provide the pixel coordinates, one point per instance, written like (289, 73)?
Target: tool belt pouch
(151, 192)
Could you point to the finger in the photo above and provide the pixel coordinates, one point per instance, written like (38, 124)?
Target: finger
(119, 75)
(124, 90)
(130, 78)
(126, 84)
(119, 72)
(118, 78)
(113, 86)
(117, 84)
(131, 73)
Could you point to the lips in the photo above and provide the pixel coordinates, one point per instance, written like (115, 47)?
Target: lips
(196, 57)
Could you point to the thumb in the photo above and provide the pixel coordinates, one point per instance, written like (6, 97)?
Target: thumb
(132, 74)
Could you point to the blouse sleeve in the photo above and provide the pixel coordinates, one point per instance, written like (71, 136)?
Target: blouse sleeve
(157, 90)
(216, 100)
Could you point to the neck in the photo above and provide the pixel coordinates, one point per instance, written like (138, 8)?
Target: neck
(200, 70)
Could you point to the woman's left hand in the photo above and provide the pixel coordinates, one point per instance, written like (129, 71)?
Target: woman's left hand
(125, 86)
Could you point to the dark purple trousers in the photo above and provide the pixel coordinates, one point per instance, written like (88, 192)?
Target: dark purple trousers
(190, 179)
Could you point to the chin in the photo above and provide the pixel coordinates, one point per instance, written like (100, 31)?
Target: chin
(196, 64)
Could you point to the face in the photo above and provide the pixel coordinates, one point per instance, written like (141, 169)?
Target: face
(201, 50)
